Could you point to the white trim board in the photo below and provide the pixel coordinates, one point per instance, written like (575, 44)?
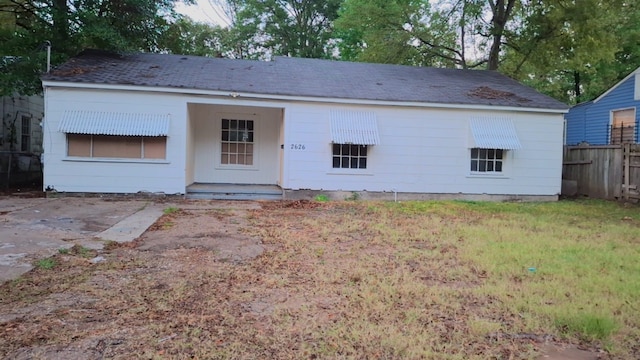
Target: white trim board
(637, 90)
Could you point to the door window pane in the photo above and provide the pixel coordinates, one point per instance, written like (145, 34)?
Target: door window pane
(237, 142)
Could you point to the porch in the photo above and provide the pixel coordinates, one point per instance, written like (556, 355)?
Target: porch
(233, 145)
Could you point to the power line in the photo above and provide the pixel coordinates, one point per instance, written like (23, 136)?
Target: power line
(222, 17)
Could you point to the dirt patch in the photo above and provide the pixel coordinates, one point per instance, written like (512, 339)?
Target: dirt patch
(218, 230)
(291, 204)
(560, 351)
(26, 191)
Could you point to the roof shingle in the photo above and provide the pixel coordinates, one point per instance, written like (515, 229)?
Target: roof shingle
(303, 77)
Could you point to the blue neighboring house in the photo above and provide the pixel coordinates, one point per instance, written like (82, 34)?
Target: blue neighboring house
(610, 119)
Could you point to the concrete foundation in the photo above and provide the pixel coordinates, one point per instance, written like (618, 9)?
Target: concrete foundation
(391, 196)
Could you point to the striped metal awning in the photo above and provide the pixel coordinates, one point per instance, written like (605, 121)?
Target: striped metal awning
(354, 127)
(494, 133)
(113, 123)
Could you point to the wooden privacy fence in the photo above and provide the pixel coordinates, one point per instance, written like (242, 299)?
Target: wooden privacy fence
(605, 171)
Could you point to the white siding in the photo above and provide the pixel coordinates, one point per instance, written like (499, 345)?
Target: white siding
(423, 151)
(63, 174)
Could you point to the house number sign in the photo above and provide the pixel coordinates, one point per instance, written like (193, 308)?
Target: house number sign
(298, 147)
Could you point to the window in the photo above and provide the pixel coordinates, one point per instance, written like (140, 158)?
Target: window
(111, 146)
(25, 134)
(237, 142)
(352, 132)
(623, 126)
(346, 156)
(487, 160)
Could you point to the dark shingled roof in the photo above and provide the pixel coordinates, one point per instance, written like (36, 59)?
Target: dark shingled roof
(303, 77)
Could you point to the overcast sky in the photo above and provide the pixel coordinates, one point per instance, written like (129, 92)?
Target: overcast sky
(203, 11)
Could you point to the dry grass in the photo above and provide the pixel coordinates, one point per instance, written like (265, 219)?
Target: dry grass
(434, 280)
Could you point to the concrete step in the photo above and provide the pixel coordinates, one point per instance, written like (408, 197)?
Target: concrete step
(234, 192)
(233, 196)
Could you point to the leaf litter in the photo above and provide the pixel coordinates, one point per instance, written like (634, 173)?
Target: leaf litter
(289, 279)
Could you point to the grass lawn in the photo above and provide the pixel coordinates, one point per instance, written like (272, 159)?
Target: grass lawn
(353, 279)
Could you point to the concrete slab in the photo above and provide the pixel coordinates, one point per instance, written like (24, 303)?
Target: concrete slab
(36, 228)
(12, 266)
(19, 250)
(133, 226)
(12, 204)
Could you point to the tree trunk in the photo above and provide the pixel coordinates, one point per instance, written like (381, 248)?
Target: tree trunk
(576, 86)
(463, 44)
(60, 15)
(494, 54)
(501, 11)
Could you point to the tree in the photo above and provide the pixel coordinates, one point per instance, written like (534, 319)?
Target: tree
(574, 51)
(501, 11)
(570, 50)
(302, 28)
(187, 37)
(14, 14)
(389, 32)
(70, 26)
(442, 33)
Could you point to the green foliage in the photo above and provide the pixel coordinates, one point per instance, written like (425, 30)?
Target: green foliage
(170, 210)
(568, 50)
(83, 251)
(420, 32)
(77, 250)
(186, 37)
(127, 25)
(46, 264)
(573, 51)
(299, 28)
(589, 327)
(353, 197)
(388, 32)
(321, 198)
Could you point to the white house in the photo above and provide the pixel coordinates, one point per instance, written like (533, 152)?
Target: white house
(179, 124)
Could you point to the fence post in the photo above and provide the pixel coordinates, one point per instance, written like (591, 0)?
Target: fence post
(626, 162)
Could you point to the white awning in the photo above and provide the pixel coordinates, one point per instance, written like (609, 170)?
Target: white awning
(494, 133)
(112, 123)
(354, 127)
